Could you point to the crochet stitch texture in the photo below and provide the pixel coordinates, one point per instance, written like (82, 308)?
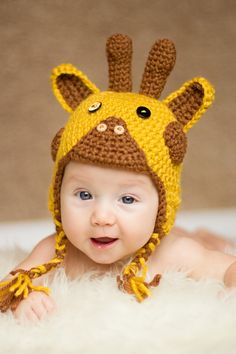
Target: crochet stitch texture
(121, 129)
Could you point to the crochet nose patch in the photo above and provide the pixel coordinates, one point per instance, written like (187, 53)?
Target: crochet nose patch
(110, 143)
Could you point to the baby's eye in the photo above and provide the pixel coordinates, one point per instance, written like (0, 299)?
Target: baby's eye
(84, 195)
(128, 200)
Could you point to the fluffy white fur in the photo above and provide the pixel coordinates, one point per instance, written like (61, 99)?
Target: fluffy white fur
(182, 316)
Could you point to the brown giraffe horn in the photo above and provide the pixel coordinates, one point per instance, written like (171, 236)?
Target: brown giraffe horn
(159, 64)
(119, 55)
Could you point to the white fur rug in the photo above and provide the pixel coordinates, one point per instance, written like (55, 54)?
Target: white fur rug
(182, 317)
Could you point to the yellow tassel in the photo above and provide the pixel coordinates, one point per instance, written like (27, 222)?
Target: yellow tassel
(17, 287)
(139, 288)
(23, 285)
(131, 268)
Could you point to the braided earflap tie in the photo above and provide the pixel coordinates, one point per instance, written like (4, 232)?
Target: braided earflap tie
(133, 284)
(18, 288)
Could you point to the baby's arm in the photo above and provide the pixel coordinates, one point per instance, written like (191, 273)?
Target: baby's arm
(37, 304)
(230, 275)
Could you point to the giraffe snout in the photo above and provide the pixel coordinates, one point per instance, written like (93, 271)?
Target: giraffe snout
(113, 126)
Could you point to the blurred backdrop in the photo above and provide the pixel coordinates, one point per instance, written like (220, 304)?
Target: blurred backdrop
(36, 36)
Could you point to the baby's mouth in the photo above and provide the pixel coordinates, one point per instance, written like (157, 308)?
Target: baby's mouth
(102, 242)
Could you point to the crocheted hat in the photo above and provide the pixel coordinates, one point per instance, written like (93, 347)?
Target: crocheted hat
(121, 129)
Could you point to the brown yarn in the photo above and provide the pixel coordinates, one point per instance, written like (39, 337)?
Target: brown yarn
(72, 89)
(176, 141)
(159, 64)
(185, 105)
(124, 281)
(117, 151)
(119, 56)
(55, 143)
(11, 301)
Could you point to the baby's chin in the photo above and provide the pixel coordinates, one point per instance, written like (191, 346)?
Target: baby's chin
(113, 262)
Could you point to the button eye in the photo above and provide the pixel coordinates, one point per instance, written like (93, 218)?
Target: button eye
(143, 112)
(94, 107)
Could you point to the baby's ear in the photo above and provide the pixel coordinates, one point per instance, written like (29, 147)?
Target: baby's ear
(71, 86)
(190, 102)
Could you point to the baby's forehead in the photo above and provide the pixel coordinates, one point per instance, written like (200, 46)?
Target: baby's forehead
(84, 171)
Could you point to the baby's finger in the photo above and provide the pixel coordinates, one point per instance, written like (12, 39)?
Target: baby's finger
(39, 310)
(49, 303)
(30, 316)
(25, 316)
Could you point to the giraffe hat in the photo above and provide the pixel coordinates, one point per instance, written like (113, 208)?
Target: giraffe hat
(121, 129)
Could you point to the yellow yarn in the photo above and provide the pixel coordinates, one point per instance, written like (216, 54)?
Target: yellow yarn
(22, 285)
(209, 95)
(70, 70)
(139, 289)
(137, 283)
(148, 134)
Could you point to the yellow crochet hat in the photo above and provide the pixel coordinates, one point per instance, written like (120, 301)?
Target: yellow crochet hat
(134, 131)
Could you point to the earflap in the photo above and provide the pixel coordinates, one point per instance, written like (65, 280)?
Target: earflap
(55, 143)
(190, 102)
(71, 86)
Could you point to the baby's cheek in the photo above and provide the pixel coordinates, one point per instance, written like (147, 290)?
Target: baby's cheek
(142, 230)
(68, 221)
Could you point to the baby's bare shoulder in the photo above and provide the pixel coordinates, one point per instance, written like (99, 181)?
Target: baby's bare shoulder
(41, 253)
(176, 253)
(183, 253)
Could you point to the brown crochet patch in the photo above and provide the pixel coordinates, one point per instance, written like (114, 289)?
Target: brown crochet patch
(176, 141)
(106, 148)
(188, 103)
(159, 64)
(55, 143)
(119, 56)
(72, 89)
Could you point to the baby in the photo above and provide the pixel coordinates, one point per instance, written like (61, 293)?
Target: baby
(116, 184)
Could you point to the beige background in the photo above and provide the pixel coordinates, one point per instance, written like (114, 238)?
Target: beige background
(37, 35)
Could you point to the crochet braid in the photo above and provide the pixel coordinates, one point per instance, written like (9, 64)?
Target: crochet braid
(14, 290)
(133, 284)
(139, 133)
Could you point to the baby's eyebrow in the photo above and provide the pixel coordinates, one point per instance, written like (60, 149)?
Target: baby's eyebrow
(132, 183)
(126, 183)
(75, 178)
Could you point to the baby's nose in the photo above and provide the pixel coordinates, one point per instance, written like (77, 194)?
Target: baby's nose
(103, 215)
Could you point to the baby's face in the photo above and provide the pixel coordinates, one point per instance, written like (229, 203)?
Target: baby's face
(107, 214)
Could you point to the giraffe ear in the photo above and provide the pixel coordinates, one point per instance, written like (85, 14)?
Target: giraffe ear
(190, 102)
(71, 86)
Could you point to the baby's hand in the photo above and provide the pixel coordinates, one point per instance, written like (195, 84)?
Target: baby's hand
(35, 307)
